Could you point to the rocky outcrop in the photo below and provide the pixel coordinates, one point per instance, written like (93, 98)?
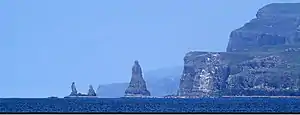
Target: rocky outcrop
(73, 90)
(275, 24)
(205, 75)
(211, 74)
(277, 74)
(160, 82)
(91, 91)
(137, 85)
(261, 59)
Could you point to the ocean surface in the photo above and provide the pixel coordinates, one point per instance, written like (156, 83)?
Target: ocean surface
(241, 104)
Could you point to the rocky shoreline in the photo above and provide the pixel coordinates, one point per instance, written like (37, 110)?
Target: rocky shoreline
(261, 60)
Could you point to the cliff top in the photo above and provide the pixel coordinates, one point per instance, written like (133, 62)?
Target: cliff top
(279, 9)
(275, 24)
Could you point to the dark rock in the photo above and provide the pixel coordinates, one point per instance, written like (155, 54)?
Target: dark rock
(137, 85)
(74, 90)
(81, 94)
(91, 91)
(53, 97)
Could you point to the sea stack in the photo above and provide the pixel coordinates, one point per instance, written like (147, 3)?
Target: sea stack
(137, 86)
(91, 91)
(74, 90)
(74, 93)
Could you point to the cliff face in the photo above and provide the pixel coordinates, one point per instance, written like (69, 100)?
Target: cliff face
(275, 74)
(261, 58)
(275, 24)
(137, 85)
(204, 74)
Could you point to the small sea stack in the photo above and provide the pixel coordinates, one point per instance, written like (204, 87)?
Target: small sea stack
(75, 94)
(137, 86)
(74, 90)
(91, 91)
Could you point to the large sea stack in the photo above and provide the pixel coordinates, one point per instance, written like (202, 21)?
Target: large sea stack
(262, 58)
(137, 86)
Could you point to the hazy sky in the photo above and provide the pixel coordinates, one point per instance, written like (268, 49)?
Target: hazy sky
(47, 44)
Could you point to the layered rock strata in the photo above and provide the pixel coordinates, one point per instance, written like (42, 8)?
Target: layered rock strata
(275, 24)
(261, 59)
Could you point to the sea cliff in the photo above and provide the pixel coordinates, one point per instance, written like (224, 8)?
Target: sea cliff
(262, 58)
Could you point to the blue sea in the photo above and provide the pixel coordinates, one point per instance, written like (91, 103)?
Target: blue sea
(241, 104)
